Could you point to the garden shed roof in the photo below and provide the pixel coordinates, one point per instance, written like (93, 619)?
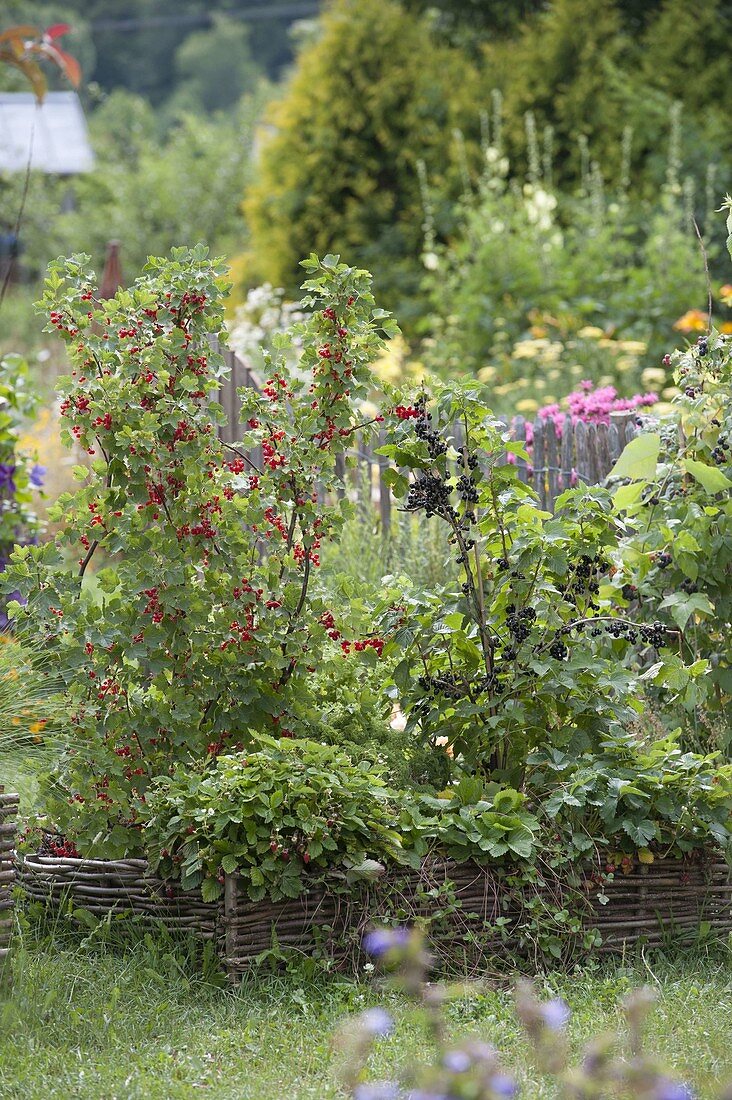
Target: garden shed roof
(58, 127)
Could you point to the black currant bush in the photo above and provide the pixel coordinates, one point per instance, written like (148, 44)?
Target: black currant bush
(533, 646)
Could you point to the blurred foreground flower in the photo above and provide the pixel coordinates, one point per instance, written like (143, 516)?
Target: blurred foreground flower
(471, 1069)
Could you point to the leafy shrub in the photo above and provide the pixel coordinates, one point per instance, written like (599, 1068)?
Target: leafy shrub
(148, 191)
(347, 707)
(277, 815)
(202, 626)
(20, 475)
(599, 69)
(676, 558)
(528, 650)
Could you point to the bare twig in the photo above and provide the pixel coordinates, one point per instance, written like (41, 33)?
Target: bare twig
(706, 272)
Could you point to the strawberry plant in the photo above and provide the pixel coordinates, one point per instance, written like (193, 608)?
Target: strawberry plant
(278, 816)
(200, 626)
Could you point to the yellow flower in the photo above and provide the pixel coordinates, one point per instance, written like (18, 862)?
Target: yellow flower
(591, 332)
(653, 376)
(527, 405)
(726, 328)
(695, 320)
(528, 349)
(669, 393)
(725, 294)
(487, 374)
(36, 727)
(538, 331)
(635, 347)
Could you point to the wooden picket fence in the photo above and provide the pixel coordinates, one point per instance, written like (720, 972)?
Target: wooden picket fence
(578, 453)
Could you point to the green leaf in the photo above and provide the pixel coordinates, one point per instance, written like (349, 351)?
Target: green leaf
(398, 482)
(638, 460)
(710, 478)
(211, 889)
(628, 495)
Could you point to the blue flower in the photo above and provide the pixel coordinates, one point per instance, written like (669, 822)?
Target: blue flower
(381, 940)
(502, 1085)
(37, 476)
(671, 1090)
(6, 476)
(377, 1090)
(457, 1061)
(555, 1014)
(377, 1021)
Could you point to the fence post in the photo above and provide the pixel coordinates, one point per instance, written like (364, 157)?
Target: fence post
(604, 462)
(583, 458)
(519, 434)
(539, 462)
(552, 463)
(567, 452)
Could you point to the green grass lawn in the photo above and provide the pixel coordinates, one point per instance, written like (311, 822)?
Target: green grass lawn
(105, 1023)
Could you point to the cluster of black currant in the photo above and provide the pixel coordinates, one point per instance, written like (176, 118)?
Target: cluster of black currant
(719, 454)
(423, 429)
(430, 494)
(653, 634)
(519, 623)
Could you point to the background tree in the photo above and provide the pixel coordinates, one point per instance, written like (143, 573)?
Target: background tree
(369, 98)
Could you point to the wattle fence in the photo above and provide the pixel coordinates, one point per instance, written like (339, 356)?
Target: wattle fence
(580, 452)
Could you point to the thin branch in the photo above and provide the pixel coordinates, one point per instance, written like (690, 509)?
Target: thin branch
(21, 209)
(243, 456)
(706, 272)
(88, 558)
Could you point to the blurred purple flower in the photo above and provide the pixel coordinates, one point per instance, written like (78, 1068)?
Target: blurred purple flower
(502, 1085)
(377, 1090)
(37, 476)
(555, 1014)
(377, 1021)
(6, 476)
(425, 1094)
(671, 1090)
(381, 940)
(457, 1061)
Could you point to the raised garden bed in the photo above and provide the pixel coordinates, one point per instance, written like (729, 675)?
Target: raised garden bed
(8, 814)
(664, 902)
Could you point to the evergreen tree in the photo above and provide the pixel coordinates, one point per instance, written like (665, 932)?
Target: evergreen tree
(369, 98)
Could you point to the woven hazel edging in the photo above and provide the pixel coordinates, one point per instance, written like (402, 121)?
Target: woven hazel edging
(8, 814)
(122, 886)
(665, 902)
